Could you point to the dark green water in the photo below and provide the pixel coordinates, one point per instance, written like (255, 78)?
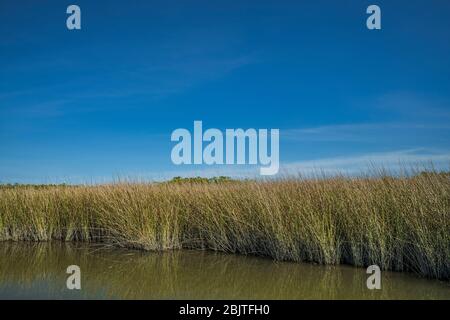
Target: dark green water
(38, 271)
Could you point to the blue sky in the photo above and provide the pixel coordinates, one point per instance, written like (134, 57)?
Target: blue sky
(100, 103)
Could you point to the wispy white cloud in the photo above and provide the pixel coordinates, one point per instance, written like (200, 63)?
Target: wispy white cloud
(392, 161)
(157, 79)
(359, 131)
(411, 105)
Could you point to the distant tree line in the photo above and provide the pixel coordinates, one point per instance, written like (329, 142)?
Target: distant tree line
(35, 186)
(219, 179)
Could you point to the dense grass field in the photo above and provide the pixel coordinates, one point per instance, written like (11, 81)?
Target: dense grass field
(400, 223)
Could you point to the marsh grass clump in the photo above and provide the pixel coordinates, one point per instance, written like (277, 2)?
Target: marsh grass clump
(400, 223)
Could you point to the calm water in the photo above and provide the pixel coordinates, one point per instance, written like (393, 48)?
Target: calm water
(38, 271)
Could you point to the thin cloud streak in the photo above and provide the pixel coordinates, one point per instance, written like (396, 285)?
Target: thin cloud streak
(357, 132)
(393, 162)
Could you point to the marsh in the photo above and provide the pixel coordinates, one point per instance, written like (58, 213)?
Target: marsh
(397, 223)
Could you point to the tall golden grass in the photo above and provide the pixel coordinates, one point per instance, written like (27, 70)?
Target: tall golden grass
(400, 223)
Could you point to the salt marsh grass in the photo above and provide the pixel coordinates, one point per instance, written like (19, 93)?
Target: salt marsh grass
(399, 223)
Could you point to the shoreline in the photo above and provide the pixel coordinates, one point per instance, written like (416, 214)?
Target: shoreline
(400, 224)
